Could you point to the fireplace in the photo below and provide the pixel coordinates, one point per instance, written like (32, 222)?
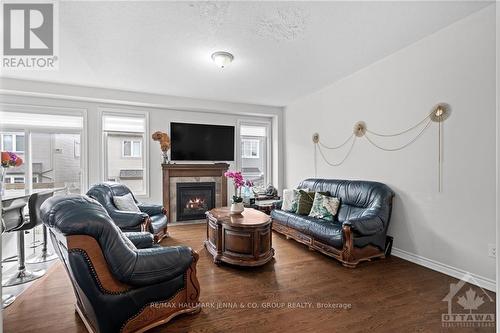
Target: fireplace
(194, 199)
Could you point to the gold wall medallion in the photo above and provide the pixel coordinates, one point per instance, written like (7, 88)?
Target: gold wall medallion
(315, 137)
(359, 129)
(440, 112)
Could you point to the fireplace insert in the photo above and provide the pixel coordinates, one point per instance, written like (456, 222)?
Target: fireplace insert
(194, 199)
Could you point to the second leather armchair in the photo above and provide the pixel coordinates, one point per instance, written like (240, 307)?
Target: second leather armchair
(151, 218)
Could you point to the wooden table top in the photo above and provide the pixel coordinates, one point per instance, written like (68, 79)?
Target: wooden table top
(250, 217)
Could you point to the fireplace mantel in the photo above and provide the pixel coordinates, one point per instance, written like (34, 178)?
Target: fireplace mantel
(192, 170)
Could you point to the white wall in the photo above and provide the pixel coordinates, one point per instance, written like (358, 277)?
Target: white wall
(455, 65)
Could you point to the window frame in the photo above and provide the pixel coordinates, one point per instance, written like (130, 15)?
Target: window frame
(14, 136)
(262, 122)
(132, 155)
(251, 142)
(28, 129)
(123, 112)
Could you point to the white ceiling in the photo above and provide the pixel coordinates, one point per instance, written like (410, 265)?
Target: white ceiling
(283, 50)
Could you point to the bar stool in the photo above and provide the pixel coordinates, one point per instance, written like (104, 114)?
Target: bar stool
(14, 221)
(34, 203)
(7, 299)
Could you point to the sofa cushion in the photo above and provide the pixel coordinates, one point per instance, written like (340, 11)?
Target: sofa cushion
(324, 207)
(290, 200)
(290, 220)
(305, 201)
(326, 232)
(126, 202)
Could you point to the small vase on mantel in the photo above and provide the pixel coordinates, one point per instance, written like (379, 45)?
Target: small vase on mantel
(164, 154)
(237, 208)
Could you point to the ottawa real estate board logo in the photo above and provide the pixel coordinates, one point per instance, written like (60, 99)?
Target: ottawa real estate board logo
(469, 306)
(30, 36)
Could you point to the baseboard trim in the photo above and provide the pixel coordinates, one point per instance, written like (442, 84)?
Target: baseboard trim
(445, 269)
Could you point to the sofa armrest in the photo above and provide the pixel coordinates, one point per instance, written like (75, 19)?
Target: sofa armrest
(133, 221)
(366, 226)
(151, 209)
(141, 240)
(159, 264)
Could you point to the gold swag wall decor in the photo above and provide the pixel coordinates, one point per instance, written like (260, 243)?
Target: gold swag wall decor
(438, 114)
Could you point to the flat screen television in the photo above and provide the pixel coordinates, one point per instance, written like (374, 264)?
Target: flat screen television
(198, 142)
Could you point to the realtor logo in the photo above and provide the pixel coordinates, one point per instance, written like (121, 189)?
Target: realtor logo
(468, 306)
(29, 36)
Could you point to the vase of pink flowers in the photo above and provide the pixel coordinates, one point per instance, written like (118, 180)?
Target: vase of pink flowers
(7, 160)
(238, 181)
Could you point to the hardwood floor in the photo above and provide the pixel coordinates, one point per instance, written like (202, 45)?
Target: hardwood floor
(390, 295)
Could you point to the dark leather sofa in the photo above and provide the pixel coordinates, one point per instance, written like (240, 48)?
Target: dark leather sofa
(118, 287)
(152, 218)
(360, 229)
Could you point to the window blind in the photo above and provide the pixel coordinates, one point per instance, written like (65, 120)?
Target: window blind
(26, 120)
(252, 130)
(112, 123)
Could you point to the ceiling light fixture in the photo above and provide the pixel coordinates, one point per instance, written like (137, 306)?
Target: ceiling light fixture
(222, 59)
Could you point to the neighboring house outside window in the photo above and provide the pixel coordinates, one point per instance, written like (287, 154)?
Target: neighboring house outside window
(250, 148)
(253, 158)
(12, 142)
(125, 149)
(132, 148)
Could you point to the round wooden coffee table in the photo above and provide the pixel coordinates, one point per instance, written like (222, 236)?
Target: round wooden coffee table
(243, 239)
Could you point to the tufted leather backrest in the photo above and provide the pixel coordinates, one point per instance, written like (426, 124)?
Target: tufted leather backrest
(104, 193)
(80, 215)
(358, 198)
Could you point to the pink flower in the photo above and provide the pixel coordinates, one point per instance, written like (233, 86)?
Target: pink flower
(238, 180)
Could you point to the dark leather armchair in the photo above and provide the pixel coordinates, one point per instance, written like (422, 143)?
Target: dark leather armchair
(359, 230)
(152, 218)
(118, 287)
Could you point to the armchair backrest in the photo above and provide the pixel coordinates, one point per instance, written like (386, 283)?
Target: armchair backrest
(358, 198)
(104, 193)
(80, 215)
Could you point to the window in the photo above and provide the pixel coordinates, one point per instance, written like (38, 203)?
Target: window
(254, 159)
(12, 142)
(131, 148)
(53, 161)
(45, 141)
(249, 148)
(124, 144)
(8, 144)
(19, 180)
(10, 179)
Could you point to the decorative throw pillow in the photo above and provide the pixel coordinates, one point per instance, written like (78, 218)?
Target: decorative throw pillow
(324, 207)
(290, 198)
(126, 202)
(305, 201)
(287, 200)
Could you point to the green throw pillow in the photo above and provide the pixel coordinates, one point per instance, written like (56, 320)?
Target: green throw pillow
(324, 207)
(305, 202)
